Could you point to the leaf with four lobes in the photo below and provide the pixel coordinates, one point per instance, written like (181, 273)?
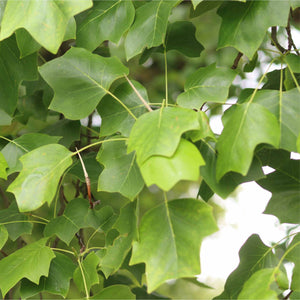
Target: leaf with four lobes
(149, 28)
(15, 222)
(115, 253)
(3, 236)
(3, 166)
(31, 261)
(159, 132)
(165, 172)
(121, 173)
(250, 125)
(247, 29)
(23, 144)
(170, 238)
(42, 169)
(57, 282)
(89, 266)
(46, 21)
(116, 292)
(80, 79)
(115, 118)
(254, 256)
(13, 71)
(99, 24)
(208, 84)
(78, 215)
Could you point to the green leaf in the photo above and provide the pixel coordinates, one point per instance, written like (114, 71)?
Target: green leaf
(170, 238)
(159, 132)
(254, 255)
(298, 144)
(42, 169)
(16, 223)
(165, 172)
(99, 23)
(116, 291)
(293, 61)
(250, 125)
(26, 43)
(46, 21)
(3, 236)
(13, 71)
(196, 2)
(5, 119)
(77, 81)
(203, 7)
(57, 282)
(3, 166)
(121, 173)
(258, 286)
(89, 266)
(115, 253)
(149, 27)
(208, 84)
(115, 118)
(78, 215)
(247, 29)
(23, 144)
(31, 261)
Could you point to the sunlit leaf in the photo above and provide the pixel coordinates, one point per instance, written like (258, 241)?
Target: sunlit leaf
(3, 166)
(3, 235)
(117, 291)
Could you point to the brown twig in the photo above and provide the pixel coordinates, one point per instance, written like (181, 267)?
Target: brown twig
(3, 253)
(89, 125)
(289, 34)
(79, 236)
(275, 41)
(288, 295)
(236, 61)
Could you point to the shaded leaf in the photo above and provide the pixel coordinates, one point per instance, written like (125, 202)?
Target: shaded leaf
(3, 236)
(170, 238)
(208, 84)
(79, 80)
(5, 119)
(31, 261)
(247, 29)
(250, 124)
(42, 169)
(115, 118)
(99, 23)
(117, 291)
(57, 282)
(159, 132)
(3, 166)
(26, 43)
(121, 173)
(149, 28)
(46, 21)
(165, 172)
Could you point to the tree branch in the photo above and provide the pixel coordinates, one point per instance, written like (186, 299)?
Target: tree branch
(236, 61)
(275, 41)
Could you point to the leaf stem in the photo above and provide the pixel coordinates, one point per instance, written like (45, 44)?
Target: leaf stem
(293, 76)
(12, 141)
(166, 74)
(138, 94)
(84, 280)
(23, 221)
(38, 217)
(63, 250)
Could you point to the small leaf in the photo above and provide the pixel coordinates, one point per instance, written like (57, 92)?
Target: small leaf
(149, 28)
(3, 236)
(116, 291)
(42, 169)
(99, 23)
(57, 282)
(170, 238)
(31, 261)
(159, 132)
(3, 166)
(247, 29)
(46, 21)
(250, 124)
(77, 82)
(121, 173)
(165, 172)
(89, 266)
(208, 84)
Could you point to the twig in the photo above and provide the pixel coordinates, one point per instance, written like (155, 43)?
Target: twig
(138, 94)
(275, 41)
(289, 34)
(90, 123)
(236, 61)
(3, 253)
(79, 236)
(288, 295)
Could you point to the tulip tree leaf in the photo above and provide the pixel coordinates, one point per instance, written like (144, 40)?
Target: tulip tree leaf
(159, 132)
(13, 71)
(165, 172)
(208, 84)
(99, 24)
(116, 291)
(250, 124)
(170, 238)
(31, 261)
(79, 80)
(78, 215)
(3, 166)
(3, 235)
(121, 173)
(5, 119)
(57, 282)
(247, 29)
(42, 169)
(149, 28)
(115, 118)
(46, 21)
